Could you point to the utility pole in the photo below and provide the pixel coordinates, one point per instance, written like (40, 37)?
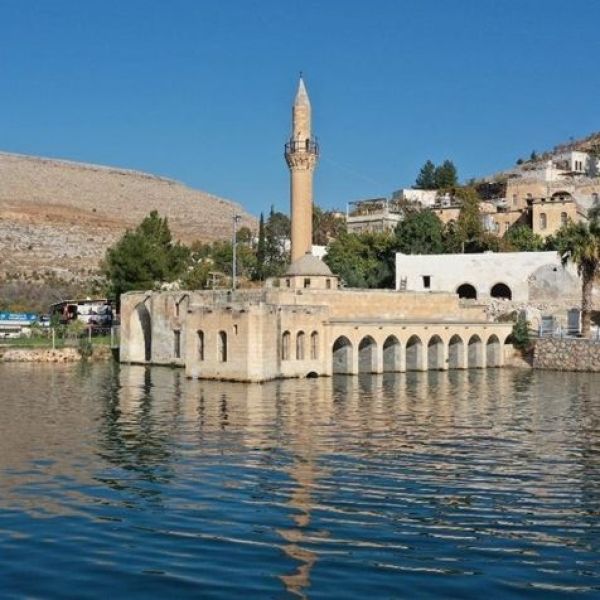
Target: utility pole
(236, 220)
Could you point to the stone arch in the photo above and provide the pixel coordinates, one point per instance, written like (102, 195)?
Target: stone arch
(367, 355)
(501, 290)
(300, 345)
(493, 352)
(342, 355)
(414, 354)
(435, 353)
(392, 354)
(314, 345)
(561, 195)
(475, 352)
(467, 291)
(222, 346)
(456, 352)
(140, 342)
(285, 345)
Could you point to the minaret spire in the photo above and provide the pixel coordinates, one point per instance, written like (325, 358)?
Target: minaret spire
(301, 154)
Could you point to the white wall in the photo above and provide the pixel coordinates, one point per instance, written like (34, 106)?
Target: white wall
(482, 271)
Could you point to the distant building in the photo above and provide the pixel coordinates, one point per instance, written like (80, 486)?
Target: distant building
(375, 215)
(14, 324)
(96, 312)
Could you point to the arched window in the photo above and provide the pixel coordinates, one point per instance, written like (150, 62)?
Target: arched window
(314, 345)
(501, 290)
(563, 218)
(543, 221)
(300, 346)
(467, 291)
(222, 346)
(285, 346)
(200, 345)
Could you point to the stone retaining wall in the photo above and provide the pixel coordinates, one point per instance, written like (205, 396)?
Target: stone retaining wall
(47, 355)
(567, 355)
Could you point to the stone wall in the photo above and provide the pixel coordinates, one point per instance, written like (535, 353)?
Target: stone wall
(48, 355)
(567, 355)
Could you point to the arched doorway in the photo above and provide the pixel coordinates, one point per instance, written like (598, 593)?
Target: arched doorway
(456, 353)
(501, 290)
(414, 354)
(475, 353)
(140, 343)
(435, 353)
(342, 355)
(493, 352)
(392, 354)
(467, 291)
(367, 355)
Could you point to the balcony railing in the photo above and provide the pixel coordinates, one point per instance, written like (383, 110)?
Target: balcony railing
(309, 145)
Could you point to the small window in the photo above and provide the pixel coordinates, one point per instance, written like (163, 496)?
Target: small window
(201, 345)
(307, 282)
(285, 346)
(300, 346)
(222, 349)
(328, 284)
(314, 345)
(176, 308)
(177, 343)
(543, 221)
(563, 218)
(427, 281)
(235, 329)
(287, 283)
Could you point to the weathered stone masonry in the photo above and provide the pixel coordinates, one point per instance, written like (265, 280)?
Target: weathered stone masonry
(567, 355)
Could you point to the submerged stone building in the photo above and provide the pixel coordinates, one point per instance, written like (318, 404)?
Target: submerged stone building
(304, 324)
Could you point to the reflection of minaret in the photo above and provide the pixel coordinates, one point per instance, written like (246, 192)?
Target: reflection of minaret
(301, 153)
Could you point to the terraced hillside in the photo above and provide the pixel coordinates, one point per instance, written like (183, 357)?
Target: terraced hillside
(60, 216)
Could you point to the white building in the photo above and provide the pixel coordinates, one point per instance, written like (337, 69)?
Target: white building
(514, 276)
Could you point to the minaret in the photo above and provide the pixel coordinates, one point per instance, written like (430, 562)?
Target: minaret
(301, 153)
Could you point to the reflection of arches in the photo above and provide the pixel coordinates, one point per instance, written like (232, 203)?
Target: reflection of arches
(342, 355)
(493, 352)
(300, 345)
(391, 354)
(285, 346)
(467, 291)
(475, 353)
(314, 345)
(367, 355)
(141, 335)
(456, 353)
(414, 354)
(501, 290)
(435, 353)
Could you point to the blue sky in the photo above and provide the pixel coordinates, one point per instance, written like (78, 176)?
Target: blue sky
(200, 91)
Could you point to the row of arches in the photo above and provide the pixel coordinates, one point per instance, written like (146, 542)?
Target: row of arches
(498, 290)
(300, 346)
(416, 355)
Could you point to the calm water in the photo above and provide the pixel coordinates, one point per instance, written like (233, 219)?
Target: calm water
(131, 482)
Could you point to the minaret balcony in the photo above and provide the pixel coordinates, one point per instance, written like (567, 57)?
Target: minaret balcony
(306, 146)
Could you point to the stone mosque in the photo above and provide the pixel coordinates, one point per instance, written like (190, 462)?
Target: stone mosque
(305, 324)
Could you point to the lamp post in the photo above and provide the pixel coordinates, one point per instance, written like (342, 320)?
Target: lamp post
(236, 220)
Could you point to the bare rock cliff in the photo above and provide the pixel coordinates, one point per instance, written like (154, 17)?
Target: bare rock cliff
(60, 216)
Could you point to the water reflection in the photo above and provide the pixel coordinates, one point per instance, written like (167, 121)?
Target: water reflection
(459, 482)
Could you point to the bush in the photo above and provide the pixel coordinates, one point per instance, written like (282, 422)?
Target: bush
(520, 334)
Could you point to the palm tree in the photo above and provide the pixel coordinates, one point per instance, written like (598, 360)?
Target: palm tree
(580, 243)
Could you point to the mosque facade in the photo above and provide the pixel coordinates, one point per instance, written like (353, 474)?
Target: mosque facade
(304, 323)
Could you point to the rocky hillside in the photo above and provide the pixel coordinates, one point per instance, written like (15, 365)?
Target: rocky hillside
(59, 216)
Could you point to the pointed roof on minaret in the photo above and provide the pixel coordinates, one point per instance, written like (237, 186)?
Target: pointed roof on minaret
(301, 95)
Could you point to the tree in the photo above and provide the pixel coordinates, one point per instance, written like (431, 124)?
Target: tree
(277, 233)
(421, 232)
(469, 228)
(145, 257)
(522, 239)
(426, 178)
(445, 176)
(327, 226)
(261, 251)
(362, 260)
(580, 243)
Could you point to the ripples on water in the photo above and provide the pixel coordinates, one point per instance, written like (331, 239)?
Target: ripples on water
(132, 482)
